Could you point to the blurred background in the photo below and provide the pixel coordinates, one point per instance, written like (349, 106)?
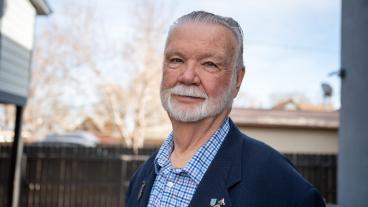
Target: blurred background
(87, 76)
(96, 65)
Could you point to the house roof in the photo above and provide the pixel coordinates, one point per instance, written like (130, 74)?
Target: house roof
(41, 6)
(296, 105)
(285, 118)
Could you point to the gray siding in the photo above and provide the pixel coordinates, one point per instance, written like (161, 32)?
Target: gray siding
(16, 41)
(14, 67)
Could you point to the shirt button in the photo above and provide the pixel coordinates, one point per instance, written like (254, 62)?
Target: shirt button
(170, 184)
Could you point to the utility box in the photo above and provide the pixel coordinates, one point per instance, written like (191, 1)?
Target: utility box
(17, 22)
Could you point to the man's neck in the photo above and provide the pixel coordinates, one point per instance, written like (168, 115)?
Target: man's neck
(190, 136)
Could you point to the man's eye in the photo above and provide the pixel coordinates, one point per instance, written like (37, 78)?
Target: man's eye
(176, 60)
(210, 64)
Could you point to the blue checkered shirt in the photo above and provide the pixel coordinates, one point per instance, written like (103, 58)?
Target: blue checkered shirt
(176, 186)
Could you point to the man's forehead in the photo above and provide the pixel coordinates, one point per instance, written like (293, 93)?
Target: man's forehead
(217, 54)
(193, 27)
(199, 34)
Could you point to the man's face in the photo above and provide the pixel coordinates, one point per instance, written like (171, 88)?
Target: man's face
(198, 72)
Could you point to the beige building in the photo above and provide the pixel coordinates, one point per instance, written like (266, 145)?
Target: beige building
(289, 131)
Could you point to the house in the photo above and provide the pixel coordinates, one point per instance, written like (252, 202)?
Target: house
(292, 104)
(17, 20)
(289, 131)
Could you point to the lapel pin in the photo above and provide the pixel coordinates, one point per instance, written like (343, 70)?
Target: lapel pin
(222, 202)
(217, 203)
(213, 201)
(140, 193)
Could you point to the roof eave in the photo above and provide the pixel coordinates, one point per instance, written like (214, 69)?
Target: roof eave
(285, 119)
(41, 6)
(287, 126)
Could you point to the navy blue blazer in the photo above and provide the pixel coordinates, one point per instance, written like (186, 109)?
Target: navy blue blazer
(245, 172)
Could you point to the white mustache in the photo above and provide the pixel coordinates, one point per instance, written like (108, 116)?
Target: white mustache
(183, 90)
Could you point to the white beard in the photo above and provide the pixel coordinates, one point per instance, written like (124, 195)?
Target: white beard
(210, 107)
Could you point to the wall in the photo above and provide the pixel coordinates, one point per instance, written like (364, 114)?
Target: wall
(296, 140)
(17, 30)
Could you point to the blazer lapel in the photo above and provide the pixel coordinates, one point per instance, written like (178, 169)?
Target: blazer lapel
(223, 173)
(146, 186)
(146, 190)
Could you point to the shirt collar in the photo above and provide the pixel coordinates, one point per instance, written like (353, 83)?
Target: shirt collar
(198, 164)
(163, 156)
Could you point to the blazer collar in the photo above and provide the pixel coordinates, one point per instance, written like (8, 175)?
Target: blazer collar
(224, 172)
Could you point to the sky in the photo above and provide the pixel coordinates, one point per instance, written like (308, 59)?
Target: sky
(290, 46)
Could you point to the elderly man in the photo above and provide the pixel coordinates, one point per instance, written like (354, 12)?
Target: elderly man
(206, 160)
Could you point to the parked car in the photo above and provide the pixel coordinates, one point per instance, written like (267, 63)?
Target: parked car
(85, 139)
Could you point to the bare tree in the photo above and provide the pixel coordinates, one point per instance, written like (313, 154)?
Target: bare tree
(7, 116)
(142, 107)
(111, 109)
(299, 97)
(70, 45)
(67, 42)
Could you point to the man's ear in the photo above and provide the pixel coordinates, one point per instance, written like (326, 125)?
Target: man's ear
(239, 79)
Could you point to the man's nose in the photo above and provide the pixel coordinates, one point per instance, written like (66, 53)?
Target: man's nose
(189, 75)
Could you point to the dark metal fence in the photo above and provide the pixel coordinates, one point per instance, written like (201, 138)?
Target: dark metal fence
(78, 176)
(4, 176)
(320, 170)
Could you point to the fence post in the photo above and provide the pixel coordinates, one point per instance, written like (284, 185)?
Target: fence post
(15, 160)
